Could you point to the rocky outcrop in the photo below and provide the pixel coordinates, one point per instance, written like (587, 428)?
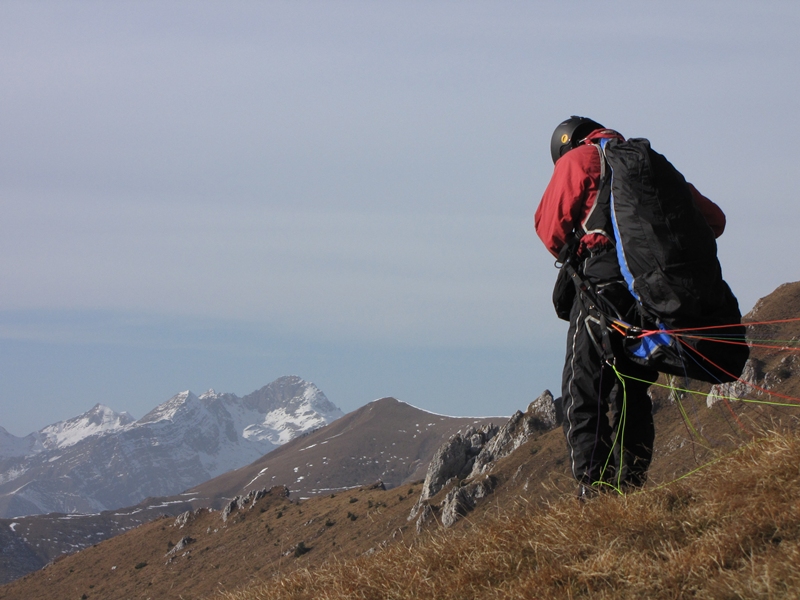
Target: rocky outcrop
(547, 413)
(180, 546)
(239, 502)
(756, 379)
(187, 517)
(468, 457)
(543, 414)
(455, 459)
(735, 389)
(425, 515)
(183, 519)
(460, 500)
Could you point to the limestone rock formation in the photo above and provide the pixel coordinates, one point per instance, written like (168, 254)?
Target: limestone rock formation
(470, 456)
(239, 502)
(756, 379)
(462, 499)
(180, 546)
(542, 414)
(456, 458)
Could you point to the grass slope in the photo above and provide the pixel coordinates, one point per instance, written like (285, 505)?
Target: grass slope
(731, 530)
(254, 543)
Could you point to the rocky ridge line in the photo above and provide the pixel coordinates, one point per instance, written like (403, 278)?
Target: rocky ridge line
(468, 458)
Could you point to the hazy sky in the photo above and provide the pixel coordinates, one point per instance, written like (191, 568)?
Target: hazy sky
(215, 194)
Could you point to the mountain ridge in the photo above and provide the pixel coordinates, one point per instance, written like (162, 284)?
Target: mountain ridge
(103, 459)
(382, 424)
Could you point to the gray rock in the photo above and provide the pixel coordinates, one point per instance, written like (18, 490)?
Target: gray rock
(474, 453)
(460, 500)
(180, 546)
(425, 515)
(755, 379)
(229, 508)
(548, 411)
(542, 414)
(454, 459)
(239, 502)
(250, 499)
(183, 519)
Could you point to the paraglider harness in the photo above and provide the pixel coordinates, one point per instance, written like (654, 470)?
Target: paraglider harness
(667, 257)
(572, 285)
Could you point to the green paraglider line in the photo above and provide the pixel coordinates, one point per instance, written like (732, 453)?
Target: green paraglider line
(707, 394)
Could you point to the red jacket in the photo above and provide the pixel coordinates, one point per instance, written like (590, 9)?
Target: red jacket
(572, 191)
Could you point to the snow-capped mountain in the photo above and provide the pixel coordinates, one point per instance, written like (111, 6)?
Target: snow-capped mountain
(103, 459)
(99, 420)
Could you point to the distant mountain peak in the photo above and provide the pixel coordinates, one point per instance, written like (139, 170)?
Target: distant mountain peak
(102, 413)
(287, 391)
(167, 410)
(98, 420)
(103, 459)
(290, 406)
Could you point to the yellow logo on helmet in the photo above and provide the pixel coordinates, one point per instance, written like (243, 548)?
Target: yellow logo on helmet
(564, 138)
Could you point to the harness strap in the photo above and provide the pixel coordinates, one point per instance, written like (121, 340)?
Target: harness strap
(598, 220)
(588, 297)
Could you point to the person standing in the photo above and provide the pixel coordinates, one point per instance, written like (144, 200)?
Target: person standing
(613, 453)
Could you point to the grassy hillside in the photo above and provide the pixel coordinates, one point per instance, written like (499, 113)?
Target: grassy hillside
(730, 530)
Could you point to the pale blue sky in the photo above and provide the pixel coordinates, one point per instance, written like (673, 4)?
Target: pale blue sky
(215, 194)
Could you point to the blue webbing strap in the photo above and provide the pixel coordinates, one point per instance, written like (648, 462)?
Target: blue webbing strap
(650, 343)
(623, 262)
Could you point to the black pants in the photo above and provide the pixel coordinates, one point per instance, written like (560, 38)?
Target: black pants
(617, 451)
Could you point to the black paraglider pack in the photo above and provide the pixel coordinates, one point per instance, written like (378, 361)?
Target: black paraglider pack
(667, 254)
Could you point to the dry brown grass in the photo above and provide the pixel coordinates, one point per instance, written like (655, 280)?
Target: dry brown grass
(731, 530)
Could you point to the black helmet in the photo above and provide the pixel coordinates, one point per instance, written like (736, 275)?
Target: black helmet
(569, 134)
